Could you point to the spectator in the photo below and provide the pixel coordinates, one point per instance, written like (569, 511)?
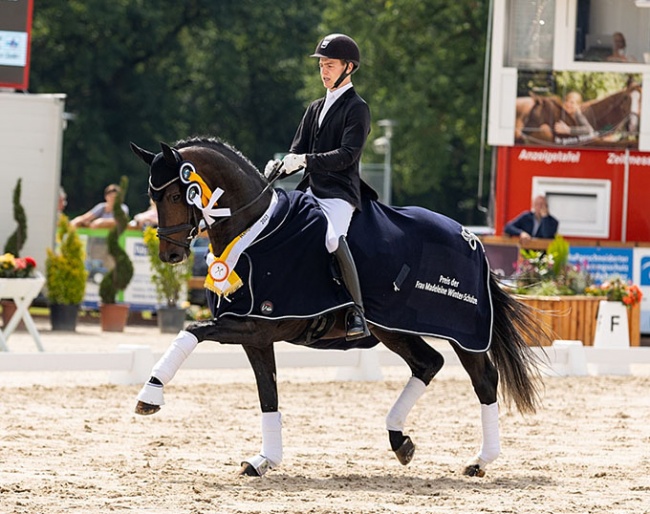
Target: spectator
(619, 48)
(534, 223)
(63, 201)
(101, 215)
(148, 218)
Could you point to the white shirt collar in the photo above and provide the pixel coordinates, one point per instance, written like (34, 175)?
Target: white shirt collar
(330, 98)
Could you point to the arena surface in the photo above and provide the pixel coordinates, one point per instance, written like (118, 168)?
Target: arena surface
(69, 442)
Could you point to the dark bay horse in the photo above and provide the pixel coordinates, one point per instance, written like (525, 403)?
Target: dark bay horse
(207, 181)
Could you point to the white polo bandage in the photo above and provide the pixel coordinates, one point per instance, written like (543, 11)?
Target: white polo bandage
(171, 361)
(411, 393)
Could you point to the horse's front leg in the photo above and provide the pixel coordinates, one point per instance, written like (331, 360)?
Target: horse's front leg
(150, 397)
(262, 360)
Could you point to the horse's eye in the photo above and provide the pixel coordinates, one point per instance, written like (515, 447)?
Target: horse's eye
(176, 198)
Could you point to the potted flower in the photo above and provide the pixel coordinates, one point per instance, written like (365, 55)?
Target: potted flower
(617, 290)
(170, 281)
(18, 279)
(113, 314)
(565, 297)
(66, 276)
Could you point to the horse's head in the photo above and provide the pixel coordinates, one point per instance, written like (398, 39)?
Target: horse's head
(201, 183)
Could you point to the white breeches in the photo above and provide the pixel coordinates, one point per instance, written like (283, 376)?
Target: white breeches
(339, 214)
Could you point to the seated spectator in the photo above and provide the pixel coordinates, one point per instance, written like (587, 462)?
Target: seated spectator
(63, 201)
(619, 49)
(148, 218)
(101, 215)
(534, 223)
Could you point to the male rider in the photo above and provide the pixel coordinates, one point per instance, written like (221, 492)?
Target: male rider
(328, 146)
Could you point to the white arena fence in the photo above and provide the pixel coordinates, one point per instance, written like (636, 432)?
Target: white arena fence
(131, 364)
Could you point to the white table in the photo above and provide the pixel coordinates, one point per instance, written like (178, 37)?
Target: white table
(22, 291)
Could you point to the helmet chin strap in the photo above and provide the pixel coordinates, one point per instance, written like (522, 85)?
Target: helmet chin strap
(344, 75)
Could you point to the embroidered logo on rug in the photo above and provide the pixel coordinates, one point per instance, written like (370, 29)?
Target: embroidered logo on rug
(266, 307)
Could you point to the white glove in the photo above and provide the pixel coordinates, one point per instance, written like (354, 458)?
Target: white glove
(271, 166)
(294, 162)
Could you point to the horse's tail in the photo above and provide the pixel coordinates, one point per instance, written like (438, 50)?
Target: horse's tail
(518, 366)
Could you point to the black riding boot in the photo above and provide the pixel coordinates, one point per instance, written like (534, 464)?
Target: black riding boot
(355, 323)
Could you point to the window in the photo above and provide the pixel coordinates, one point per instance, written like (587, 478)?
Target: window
(612, 31)
(530, 34)
(580, 205)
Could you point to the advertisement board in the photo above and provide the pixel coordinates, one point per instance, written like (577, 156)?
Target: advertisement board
(140, 293)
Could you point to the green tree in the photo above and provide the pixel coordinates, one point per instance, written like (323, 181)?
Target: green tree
(422, 65)
(148, 72)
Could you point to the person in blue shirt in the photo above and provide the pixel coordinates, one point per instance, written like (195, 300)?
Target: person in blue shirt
(534, 223)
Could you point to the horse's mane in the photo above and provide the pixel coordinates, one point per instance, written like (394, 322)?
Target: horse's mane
(220, 146)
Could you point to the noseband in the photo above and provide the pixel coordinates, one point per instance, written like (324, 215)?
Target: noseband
(197, 194)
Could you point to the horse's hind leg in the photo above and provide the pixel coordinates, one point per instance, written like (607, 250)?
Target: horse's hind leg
(424, 363)
(485, 379)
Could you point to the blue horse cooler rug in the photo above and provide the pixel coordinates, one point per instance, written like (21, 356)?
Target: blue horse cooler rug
(420, 273)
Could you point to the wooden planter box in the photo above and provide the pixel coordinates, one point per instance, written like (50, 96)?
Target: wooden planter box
(574, 317)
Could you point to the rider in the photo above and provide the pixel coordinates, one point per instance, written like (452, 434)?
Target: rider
(328, 146)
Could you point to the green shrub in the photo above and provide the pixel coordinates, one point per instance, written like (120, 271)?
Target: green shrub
(120, 276)
(170, 279)
(65, 270)
(17, 239)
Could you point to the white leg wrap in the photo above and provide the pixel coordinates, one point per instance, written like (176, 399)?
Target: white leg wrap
(171, 361)
(410, 394)
(491, 446)
(151, 394)
(272, 437)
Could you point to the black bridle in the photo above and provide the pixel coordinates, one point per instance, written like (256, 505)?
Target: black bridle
(193, 223)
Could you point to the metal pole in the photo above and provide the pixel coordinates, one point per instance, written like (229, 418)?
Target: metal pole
(387, 172)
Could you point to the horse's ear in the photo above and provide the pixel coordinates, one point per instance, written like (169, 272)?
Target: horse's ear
(145, 155)
(172, 157)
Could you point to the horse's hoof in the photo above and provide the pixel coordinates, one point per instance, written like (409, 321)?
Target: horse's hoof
(146, 409)
(406, 451)
(247, 470)
(474, 470)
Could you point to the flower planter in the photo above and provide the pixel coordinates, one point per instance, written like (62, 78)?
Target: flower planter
(64, 317)
(574, 317)
(170, 319)
(113, 316)
(21, 289)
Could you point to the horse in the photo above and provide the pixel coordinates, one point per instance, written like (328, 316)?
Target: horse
(205, 181)
(615, 118)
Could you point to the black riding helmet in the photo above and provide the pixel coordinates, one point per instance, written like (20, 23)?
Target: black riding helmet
(339, 46)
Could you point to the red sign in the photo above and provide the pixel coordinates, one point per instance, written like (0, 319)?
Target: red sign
(628, 177)
(15, 40)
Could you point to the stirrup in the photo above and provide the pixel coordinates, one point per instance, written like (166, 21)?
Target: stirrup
(355, 325)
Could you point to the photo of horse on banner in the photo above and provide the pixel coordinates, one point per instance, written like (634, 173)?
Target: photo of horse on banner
(568, 121)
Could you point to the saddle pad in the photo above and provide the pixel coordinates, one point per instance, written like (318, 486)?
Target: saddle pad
(420, 273)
